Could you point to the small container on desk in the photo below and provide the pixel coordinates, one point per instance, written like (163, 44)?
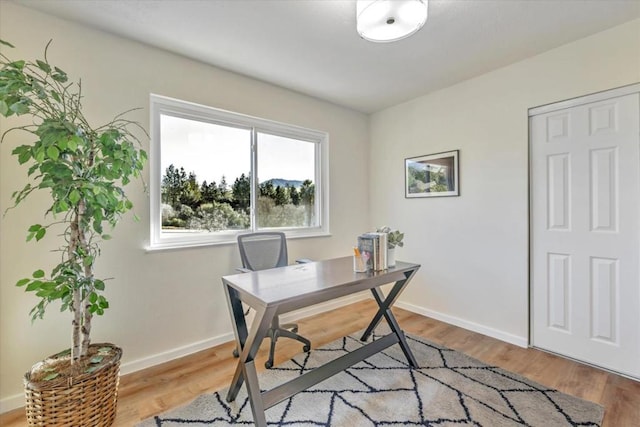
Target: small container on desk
(359, 262)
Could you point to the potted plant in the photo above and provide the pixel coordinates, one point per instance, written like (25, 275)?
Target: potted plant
(83, 169)
(394, 239)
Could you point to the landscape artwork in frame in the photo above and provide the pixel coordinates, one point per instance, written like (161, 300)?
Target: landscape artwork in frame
(434, 175)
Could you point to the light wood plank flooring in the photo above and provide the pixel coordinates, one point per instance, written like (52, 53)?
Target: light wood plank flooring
(154, 390)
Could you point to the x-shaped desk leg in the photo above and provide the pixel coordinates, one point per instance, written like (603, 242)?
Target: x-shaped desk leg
(384, 310)
(248, 345)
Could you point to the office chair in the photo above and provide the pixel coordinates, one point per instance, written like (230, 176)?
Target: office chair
(260, 251)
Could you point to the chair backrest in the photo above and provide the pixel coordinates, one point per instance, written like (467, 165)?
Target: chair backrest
(259, 251)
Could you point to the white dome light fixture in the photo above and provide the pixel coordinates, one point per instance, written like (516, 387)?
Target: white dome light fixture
(385, 21)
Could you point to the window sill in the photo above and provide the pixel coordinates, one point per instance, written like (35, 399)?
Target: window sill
(172, 246)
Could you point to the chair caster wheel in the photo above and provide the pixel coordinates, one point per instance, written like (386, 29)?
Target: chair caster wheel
(235, 353)
(306, 348)
(268, 364)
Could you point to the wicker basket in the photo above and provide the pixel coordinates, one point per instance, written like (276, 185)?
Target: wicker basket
(87, 400)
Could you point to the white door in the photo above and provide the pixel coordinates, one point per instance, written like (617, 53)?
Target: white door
(585, 229)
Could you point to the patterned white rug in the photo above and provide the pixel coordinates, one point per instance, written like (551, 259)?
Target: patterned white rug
(447, 389)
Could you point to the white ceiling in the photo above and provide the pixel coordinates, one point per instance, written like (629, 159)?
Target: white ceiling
(311, 46)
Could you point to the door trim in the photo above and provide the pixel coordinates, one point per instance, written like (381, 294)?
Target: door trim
(580, 100)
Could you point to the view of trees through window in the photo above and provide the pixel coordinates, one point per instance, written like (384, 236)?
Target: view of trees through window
(188, 204)
(206, 177)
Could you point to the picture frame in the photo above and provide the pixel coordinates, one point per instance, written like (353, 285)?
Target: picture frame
(432, 175)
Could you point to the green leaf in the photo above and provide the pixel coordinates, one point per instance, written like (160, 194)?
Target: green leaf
(35, 227)
(51, 376)
(73, 143)
(40, 234)
(62, 206)
(59, 75)
(99, 285)
(24, 157)
(35, 285)
(43, 66)
(17, 64)
(106, 237)
(53, 152)
(19, 107)
(93, 297)
(96, 359)
(22, 282)
(38, 274)
(39, 155)
(74, 197)
(102, 200)
(4, 108)
(62, 144)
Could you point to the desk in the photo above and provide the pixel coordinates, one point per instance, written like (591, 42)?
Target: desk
(280, 290)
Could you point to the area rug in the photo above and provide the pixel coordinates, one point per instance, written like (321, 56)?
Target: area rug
(448, 389)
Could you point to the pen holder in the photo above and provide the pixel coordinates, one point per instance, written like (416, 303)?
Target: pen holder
(359, 264)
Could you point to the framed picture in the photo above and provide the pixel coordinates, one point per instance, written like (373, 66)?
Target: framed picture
(434, 175)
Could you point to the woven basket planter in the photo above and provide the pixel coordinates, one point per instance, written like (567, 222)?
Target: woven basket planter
(86, 400)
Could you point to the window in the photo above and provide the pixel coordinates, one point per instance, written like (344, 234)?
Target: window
(215, 174)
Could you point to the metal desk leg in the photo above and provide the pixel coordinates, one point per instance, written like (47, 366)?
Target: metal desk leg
(246, 368)
(388, 302)
(255, 397)
(259, 330)
(384, 310)
(237, 317)
(395, 328)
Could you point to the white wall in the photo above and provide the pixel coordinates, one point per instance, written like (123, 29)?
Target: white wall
(162, 303)
(474, 248)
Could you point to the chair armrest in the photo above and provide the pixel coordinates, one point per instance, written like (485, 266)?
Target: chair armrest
(243, 270)
(303, 261)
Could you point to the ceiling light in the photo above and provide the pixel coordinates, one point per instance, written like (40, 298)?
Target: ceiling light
(389, 20)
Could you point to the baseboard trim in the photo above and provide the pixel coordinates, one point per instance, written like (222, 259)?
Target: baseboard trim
(472, 326)
(175, 353)
(14, 402)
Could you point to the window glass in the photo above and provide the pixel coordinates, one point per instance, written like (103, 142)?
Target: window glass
(286, 173)
(198, 159)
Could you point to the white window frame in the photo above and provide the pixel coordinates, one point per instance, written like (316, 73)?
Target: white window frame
(163, 105)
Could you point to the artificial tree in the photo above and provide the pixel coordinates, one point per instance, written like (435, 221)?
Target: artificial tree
(84, 169)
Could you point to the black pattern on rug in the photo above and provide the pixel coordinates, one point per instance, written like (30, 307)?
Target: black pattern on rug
(447, 389)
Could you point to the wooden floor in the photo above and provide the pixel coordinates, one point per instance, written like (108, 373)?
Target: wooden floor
(154, 390)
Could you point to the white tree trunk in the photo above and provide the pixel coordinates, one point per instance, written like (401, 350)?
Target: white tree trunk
(81, 314)
(76, 304)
